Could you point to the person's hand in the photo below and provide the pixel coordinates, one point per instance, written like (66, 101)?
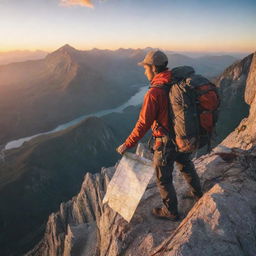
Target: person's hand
(121, 149)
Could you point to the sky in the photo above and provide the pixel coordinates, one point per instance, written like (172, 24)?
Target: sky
(175, 25)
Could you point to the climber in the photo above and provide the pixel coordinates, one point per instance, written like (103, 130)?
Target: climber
(155, 114)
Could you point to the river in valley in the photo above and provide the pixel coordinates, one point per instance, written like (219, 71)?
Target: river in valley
(135, 100)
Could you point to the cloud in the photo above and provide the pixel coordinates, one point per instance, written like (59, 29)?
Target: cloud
(85, 3)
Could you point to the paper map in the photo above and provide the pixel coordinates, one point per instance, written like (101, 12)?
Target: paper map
(128, 184)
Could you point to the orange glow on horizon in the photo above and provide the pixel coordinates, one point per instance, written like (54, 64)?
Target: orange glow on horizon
(193, 47)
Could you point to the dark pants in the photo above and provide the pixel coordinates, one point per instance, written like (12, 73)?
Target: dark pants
(164, 177)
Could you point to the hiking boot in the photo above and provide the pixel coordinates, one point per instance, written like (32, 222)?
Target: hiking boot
(163, 213)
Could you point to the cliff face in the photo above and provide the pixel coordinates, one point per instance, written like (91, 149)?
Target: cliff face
(222, 222)
(233, 108)
(74, 229)
(244, 135)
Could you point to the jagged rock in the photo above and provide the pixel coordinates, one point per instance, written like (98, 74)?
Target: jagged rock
(74, 228)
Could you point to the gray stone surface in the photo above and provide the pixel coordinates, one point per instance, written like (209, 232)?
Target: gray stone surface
(223, 221)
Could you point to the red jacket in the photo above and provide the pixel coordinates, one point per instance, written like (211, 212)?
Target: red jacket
(154, 110)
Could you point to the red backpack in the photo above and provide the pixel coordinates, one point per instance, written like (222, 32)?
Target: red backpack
(194, 103)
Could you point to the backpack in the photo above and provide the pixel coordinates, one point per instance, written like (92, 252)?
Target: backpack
(194, 103)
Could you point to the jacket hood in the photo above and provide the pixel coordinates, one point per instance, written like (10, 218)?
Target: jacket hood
(162, 78)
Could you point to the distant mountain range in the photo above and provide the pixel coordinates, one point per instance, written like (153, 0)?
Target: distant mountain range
(198, 54)
(209, 66)
(25, 55)
(20, 56)
(38, 95)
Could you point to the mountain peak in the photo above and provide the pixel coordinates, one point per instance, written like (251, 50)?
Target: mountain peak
(64, 50)
(67, 48)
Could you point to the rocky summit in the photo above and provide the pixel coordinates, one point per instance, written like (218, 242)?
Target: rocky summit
(222, 222)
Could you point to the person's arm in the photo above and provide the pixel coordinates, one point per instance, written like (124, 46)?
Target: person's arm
(147, 116)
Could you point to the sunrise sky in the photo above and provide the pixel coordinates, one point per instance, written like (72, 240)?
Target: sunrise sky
(179, 25)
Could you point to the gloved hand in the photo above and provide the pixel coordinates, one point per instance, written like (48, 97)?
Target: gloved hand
(121, 149)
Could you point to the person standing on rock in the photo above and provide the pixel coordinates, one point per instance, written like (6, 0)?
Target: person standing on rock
(155, 114)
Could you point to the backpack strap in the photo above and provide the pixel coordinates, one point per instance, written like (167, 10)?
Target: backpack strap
(171, 133)
(166, 87)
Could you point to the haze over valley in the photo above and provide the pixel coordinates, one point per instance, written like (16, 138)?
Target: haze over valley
(37, 96)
